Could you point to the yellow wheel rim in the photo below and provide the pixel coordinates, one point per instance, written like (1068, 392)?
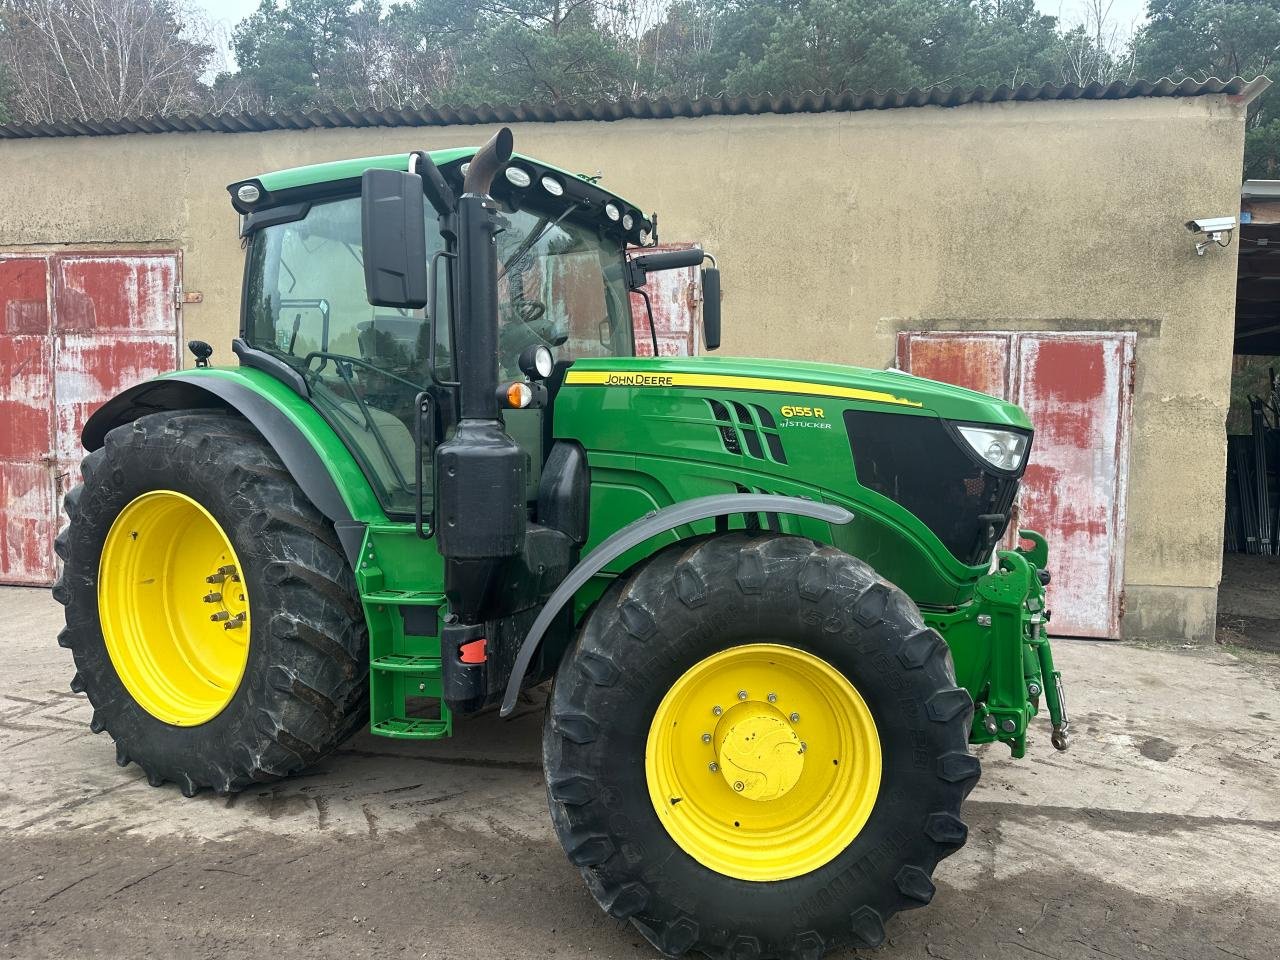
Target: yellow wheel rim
(174, 608)
(763, 762)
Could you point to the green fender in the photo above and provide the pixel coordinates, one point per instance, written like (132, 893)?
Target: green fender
(312, 452)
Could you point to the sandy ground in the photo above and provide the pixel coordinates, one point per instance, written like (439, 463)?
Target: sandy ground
(1156, 836)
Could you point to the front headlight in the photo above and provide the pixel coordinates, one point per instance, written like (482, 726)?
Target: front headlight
(1003, 449)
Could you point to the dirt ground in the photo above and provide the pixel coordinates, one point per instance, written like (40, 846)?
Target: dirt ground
(1156, 836)
(1249, 602)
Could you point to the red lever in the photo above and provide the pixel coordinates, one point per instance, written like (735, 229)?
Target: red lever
(473, 652)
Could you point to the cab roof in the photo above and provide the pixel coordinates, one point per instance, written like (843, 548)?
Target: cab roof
(336, 177)
(338, 170)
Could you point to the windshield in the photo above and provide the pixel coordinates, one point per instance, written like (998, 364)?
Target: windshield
(560, 283)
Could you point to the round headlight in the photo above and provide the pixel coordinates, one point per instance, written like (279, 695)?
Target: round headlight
(612, 212)
(644, 236)
(536, 362)
(518, 177)
(248, 193)
(552, 186)
(465, 167)
(628, 222)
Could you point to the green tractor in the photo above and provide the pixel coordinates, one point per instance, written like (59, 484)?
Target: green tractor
(768, 593)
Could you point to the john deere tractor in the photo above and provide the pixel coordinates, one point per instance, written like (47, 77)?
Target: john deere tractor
(768, 594)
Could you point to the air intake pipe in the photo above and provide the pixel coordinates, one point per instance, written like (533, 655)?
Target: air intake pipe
(480, 470)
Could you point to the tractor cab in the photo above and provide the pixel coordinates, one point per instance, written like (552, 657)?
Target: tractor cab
(563, 285)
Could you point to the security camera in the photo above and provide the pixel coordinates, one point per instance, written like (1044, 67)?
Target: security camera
(1214, 230)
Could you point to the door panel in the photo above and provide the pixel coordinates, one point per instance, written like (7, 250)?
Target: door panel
(26, 407)
(115, 321)
(1075, 388)
(977, 361)
(89, 370)
(28, 523)
(131, 294)
(112, 324)
(676, 296)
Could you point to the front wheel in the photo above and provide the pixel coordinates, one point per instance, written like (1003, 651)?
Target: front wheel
(755, 748)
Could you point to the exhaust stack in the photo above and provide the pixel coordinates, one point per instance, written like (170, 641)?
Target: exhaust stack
(480, 470)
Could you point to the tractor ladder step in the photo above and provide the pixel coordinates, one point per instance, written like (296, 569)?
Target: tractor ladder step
(402, 597)
(412, 728)
(405, 663)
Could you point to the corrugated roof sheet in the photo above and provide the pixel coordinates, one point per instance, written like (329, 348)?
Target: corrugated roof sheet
(643, 109)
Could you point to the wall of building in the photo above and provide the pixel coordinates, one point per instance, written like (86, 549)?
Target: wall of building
(834, 231)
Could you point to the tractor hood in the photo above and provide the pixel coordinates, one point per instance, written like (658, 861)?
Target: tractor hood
(803, 381)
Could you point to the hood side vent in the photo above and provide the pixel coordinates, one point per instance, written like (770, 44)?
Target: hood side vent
(724, 423)
(742, 425)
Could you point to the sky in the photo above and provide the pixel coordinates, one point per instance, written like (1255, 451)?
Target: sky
(1124, 13)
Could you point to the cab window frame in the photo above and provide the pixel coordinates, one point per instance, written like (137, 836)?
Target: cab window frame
(622, 326)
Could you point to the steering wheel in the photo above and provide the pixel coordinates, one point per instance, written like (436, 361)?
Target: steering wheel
(530, 311)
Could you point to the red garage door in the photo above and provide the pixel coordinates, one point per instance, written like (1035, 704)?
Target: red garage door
(1076, 390)
(75, 329)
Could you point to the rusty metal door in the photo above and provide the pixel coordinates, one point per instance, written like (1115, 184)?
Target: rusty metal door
(1077, 390)
(27, 503)
(78, 328)
(676, 297)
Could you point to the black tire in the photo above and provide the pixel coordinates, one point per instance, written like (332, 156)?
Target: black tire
(305, 685)
(702, 596)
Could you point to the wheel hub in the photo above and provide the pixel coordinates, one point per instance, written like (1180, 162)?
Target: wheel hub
(758, 752)
(174, 608)
(779, 781)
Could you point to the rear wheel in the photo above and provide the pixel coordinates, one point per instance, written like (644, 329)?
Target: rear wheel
(756, 749)
(211, 613)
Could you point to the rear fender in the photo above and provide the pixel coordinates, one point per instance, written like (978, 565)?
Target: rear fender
(312, 453)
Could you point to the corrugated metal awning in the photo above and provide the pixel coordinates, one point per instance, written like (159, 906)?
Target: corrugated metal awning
(639, 109)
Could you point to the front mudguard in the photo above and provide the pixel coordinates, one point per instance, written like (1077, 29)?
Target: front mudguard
(1001, 652)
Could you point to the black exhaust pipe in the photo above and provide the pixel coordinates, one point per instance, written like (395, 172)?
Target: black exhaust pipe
(480, 470)
(487, 163)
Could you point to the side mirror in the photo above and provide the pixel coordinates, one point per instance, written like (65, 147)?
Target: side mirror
(711, 308)
(393, 231)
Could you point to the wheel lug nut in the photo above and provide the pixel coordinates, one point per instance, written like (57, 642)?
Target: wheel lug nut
(795, 718)
(713, 767)
(212, 596)
(742, 694)
(220, 615)
(739, 785)
(772, 698)
(706, 738)
(716, 711)
(803, 746)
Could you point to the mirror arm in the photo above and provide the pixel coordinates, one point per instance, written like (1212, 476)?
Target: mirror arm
(653, 330)
(639, 267)
(437, 190)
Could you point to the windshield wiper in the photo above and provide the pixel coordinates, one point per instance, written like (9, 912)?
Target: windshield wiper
(537, 234)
